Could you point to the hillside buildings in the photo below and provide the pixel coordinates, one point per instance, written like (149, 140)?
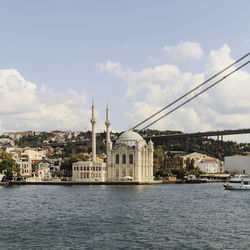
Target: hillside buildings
(129, 159)
(34, 165)
(206, 163)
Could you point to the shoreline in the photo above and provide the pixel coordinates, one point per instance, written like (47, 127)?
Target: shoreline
(71, 183)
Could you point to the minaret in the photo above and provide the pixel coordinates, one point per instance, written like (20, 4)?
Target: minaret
(108, 141)
(93, 121)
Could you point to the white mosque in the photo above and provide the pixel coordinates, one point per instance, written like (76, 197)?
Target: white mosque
(129, 159)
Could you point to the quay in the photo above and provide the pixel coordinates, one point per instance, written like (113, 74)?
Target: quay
(71, 183)
(80, 183)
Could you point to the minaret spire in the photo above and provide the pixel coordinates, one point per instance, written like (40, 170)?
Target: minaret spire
(93, 122)
(107, 112)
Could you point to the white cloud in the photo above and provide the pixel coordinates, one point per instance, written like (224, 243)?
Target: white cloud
(113, 67)
(25, 107)
(166, 76)
(218, 60)
(16, 94)
(225, 106)
(183, 50)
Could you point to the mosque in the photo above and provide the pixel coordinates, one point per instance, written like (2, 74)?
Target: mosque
(130, 159)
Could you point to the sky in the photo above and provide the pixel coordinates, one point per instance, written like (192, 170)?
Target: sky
(140, 55)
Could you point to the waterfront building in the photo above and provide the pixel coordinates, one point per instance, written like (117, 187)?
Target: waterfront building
(26, 158)
(25, 163)
(55, 165)
(89, 171)
(129, 159)
(173, 162)
(210, 166)
(206, 163)
(239, 164)
(43, 171)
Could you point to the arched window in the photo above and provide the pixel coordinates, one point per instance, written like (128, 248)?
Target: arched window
(123, 159)
(117, 159)
(131, 160)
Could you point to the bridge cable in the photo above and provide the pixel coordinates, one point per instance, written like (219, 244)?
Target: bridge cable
(197, 94)
(192, 90)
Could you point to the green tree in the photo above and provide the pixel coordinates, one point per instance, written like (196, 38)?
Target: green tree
(159, 158)
(191, 166)
(9, 166)
(180, 173)
(5, 155)
(68, 161)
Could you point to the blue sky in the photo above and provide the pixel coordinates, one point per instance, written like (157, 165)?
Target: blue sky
(61, 46)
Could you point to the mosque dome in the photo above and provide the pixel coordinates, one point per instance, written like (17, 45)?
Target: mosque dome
(130, 138)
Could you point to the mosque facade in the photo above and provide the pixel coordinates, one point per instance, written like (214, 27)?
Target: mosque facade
(129, 159)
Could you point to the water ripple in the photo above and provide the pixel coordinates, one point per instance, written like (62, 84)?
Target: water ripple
(124, 217)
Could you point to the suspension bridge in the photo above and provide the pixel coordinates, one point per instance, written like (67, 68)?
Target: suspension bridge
(221, 133)
(184, 98)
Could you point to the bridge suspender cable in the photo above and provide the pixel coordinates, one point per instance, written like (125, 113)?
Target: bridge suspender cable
(243, 65)
(192, 90)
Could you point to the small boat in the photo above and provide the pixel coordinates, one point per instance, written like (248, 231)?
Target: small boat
(238, 183)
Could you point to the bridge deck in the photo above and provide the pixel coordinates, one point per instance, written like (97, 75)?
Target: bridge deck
(201, 134)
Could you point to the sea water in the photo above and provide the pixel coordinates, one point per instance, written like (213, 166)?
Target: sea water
(176, 216)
